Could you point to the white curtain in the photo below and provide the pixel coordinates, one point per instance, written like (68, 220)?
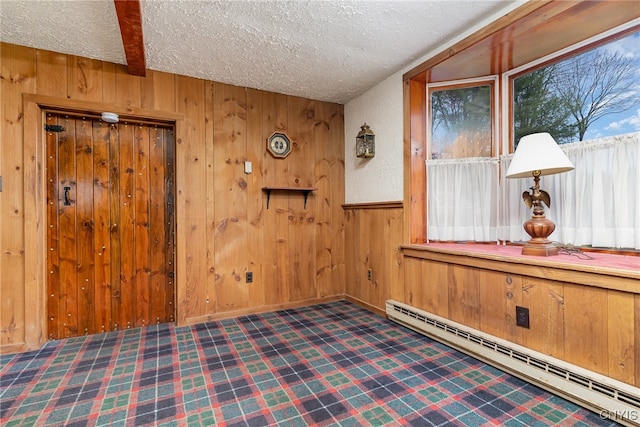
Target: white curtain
(462, 199)
(597, 204)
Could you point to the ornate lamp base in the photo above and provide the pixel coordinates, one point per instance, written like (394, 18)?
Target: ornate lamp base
(539, 228)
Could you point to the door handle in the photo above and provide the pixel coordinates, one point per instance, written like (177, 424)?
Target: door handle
(67, 202)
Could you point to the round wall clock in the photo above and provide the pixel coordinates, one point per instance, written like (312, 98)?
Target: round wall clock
(279, 145)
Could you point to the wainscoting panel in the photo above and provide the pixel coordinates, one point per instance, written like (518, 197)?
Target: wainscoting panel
(373, 237)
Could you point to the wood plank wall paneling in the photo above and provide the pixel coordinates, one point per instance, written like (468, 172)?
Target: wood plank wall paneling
(302, 254)
(223, 226)
(51, 69)
(230, 188)
(620, 336)
(393, 232)
(224, 126)
(276, 218)
(495, 287)
(585, 326)
(413, 294)
(464, 295)
(18, 76)
(545, 299)
(589, 326)
(373, 235)
(431, 295)
(255, 214)
(322, 168)
(335, 120)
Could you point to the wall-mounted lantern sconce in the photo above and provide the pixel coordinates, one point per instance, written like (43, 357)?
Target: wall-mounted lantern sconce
(365, 142)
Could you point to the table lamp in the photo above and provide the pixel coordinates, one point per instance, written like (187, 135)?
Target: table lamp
(536, 155)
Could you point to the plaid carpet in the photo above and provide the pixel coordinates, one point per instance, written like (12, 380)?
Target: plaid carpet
(329, 364)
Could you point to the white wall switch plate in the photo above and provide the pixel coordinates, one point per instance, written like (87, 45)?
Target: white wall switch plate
(248, 167)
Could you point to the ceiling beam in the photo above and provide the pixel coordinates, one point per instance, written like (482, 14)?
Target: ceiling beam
(130, 20)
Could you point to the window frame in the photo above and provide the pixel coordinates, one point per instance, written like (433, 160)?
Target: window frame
(492, 82)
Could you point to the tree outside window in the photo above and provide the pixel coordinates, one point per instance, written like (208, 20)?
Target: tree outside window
(461, 122)
(592, 100)
(585, 96)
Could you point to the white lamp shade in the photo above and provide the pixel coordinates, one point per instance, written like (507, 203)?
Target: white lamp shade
(538, 152)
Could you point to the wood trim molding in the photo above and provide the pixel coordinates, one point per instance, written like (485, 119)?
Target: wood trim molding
(366, 306)
(530, 32)
(374, 205)
(585, 275)
(491, 29)
(35, 197)
(14, 348)
(79, 106)
(130, 19)
(35, 254)
(415, 156)
(264, 309)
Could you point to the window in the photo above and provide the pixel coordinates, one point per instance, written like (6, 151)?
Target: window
(461, 121)
(582, 97)
(503, 46)
(587, 96)
(590, 103)
(462, 176)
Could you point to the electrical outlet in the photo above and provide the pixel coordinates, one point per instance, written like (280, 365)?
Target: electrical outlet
(370, 274)
(249, 277)
(522, 317)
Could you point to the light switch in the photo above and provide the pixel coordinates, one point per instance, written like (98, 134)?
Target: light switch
(248, 167)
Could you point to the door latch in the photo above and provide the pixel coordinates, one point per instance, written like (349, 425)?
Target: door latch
(67, 202)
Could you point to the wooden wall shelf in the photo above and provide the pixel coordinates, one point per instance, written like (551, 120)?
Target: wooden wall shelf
(305, 190)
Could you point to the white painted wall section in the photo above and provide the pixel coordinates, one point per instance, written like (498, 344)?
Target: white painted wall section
(381, 178)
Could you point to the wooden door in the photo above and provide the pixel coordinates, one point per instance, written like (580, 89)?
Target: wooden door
(110, 231)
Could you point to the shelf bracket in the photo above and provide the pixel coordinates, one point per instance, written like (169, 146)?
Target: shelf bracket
(304, 191)
(306, 194)
(268, 190)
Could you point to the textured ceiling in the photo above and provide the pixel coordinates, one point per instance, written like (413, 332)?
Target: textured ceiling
(327, 50)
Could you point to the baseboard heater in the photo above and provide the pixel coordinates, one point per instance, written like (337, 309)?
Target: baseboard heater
(607, 397)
